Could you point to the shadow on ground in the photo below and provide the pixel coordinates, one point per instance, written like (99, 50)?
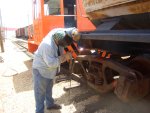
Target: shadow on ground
(23, 81)
(105, 103)
(84, 98)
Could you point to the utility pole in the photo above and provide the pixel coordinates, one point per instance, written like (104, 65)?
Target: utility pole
(1, 38)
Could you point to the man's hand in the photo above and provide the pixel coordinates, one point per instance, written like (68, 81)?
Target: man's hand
(68, 56)
(65, 57)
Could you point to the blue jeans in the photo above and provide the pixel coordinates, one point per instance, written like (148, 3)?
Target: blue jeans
(42, 91)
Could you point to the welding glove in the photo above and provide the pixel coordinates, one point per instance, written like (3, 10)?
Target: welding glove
(65, 57)
(68, 55)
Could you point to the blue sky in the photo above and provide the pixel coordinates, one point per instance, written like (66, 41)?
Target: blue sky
(16, 13)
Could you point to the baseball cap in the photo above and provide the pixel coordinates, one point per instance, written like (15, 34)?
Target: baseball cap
(60, 34)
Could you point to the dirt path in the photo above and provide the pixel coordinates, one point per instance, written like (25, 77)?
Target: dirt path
(16, 91)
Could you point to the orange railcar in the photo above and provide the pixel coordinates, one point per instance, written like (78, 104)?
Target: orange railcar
(49, 14)
(123, 30)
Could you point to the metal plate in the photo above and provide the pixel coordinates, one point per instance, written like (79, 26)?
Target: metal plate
(98, 9)
(92, 5)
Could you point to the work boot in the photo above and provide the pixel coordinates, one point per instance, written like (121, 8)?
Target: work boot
(55, 106)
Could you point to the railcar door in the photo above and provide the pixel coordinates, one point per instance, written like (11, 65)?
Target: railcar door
(75, 16)
(70, 13)
(53, 15)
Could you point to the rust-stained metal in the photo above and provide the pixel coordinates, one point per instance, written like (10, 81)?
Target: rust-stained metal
(130, 88)
(100, 73)
(90, 69)
(105, 75)
(98, 9)
(92, 5)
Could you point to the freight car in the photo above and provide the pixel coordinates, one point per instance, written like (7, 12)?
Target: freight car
(24, 32)
(20, 32)
(114, 50)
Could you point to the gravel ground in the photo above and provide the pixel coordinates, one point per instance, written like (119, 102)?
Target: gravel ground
(16, 90)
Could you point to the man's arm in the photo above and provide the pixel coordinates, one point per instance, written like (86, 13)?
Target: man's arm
(49, 56)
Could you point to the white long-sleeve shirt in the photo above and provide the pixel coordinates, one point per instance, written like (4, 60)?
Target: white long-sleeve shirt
(46, 57)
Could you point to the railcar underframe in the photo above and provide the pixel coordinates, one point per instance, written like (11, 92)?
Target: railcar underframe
(126, 71)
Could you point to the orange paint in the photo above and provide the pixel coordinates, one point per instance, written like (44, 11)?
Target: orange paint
(42, 23)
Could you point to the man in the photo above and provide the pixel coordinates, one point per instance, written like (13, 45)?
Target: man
(46, 65)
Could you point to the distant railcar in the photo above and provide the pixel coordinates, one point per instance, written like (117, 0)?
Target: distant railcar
(24, 32)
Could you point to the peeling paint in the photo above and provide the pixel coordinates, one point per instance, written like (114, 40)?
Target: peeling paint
(99, 9)
(91, 5)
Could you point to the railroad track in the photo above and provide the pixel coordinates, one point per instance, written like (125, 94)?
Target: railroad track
(21, 42)
(23, 46)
